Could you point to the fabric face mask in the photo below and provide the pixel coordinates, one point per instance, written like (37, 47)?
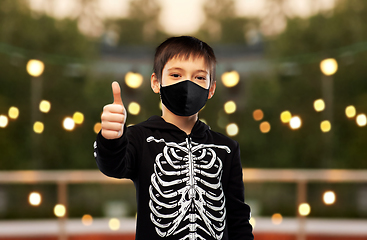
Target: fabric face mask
(184, 98)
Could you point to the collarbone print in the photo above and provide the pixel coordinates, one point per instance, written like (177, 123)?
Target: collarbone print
(186, 194)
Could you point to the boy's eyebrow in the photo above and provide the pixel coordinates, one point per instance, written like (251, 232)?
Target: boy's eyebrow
(178, 68)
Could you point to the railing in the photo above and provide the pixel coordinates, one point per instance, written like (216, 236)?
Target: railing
(300, 177)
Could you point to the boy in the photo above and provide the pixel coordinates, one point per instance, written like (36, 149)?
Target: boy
(188, 178)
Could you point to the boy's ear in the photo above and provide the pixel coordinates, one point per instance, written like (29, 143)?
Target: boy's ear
(154, 83)
(212, 90)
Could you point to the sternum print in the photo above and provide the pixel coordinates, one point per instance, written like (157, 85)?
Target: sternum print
(186, 195)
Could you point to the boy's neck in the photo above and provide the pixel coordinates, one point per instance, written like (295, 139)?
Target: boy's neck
(184, 123)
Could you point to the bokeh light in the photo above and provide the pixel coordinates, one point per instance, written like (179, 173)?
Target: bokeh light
(304, 209)
(265, 127)
(59, 210)
(319, 105)
(285, 116)
(350, 111)
(35, 67)
(276, 218)
(78, 117)
(230, 107)
(97, 127)
(329, 66)
(87, 220)
(3, 121)
(45, 106)
(258, 114)
(230, 79)
(68, 124)
(329, 197)
(38, 127)
(13, 112)
(114, 224)
(133, 80)
(325, 126)
(134, 108)
(295, 122)
(34, 198)
(232, 129)
(361, 120)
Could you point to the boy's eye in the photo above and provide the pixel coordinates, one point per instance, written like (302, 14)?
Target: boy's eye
(175, 75)
(201, 78)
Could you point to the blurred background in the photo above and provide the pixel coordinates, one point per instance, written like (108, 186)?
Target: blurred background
(291, 89)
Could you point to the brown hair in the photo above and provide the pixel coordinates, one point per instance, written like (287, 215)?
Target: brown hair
(184, 47)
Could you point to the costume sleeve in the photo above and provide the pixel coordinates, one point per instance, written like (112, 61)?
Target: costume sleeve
(116, 157)
(238, 212)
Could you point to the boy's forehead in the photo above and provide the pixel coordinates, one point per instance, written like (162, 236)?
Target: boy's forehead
(190, 58)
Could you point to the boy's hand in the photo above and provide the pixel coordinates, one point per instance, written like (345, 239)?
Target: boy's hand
(114, 115)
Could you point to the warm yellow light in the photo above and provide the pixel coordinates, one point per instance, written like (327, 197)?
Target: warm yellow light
(325, 126)
(285, 116)
(265, 127)
(276, 218)
(38, 127)
(87, 220)
(134, 108)
(361, 120)
(329, 197)
(258, 114)
(329, 66)
(45, 106)
(78, 117)
(295, 122)
(253, 222)
(304, 209)
(114, 224)
(34, 198)
(68, 124)
(350, 111)
(13, 112)
(230, 107)
(319, 105)
(3, 121)
(230, 79)
(97, 127)
(133, 80)
(232, 129)
(59, 210)
(35, 67)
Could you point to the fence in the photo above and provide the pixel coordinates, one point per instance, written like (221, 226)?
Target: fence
(297, 176)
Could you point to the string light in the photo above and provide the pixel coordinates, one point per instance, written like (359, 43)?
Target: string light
(78, 117)
(304, 209)
(295, 122)
(230, 107)
(68, 124)
(45, 106)
(114, 224)
(329, 197)
(134, 108)
(133, 80)
(13, 112)
(361, 120)
(258, 114)
(350, 111)
(232, 129)
(265, 127)
(276, 218)
(35, 67)
(319, 105)
(3, 121)
(97, 127)
(59, 210)
(325, 126)
(38, 127)
(285, 116)
(87, 220)
(230, 79)
(34, 198)
(329, 66)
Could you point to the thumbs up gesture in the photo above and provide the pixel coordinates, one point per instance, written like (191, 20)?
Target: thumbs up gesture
(114, 115)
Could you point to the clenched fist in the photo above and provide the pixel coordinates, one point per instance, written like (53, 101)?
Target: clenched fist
(114, 115)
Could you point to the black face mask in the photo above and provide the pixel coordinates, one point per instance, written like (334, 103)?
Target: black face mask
(184, 98)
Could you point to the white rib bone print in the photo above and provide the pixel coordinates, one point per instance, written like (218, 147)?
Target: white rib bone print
(186, 191)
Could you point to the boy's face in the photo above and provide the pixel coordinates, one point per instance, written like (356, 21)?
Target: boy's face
(179, 69)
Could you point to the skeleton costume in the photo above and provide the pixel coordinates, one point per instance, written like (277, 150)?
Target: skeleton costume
(188, 187)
